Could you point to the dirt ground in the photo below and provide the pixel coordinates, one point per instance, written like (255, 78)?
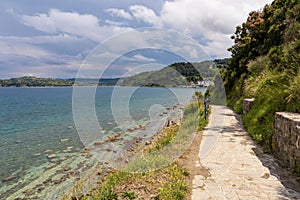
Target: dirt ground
(148, 188)
(189, 160)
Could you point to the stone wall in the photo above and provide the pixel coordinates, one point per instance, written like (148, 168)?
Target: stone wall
(286, 139)
(247, 104)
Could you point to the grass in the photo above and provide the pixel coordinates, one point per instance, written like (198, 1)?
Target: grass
(157, 174)
(176, 186)
(166, 183)
(169, 134)
(171, 143)
(129, 195)
(273, 90)
(106, 191)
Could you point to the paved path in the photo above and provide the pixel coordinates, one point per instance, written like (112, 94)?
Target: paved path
(236, 166)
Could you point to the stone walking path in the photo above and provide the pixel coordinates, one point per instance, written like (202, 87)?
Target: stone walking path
(238, 169)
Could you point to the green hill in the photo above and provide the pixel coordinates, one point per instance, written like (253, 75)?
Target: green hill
(177, 74)
(30, 81)
(265, 66)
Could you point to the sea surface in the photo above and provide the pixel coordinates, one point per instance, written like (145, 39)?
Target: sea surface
(39, 141)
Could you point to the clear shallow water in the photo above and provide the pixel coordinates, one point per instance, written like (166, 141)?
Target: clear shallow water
(36, 122)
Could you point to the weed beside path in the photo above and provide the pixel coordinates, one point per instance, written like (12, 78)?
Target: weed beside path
(170, 182)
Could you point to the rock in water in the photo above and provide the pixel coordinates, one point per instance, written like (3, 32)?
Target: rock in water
(9, 178)
(51, 156)
(63, 158)
(48, 151)
(65, 139)
(111, 138)
(98, 143)
(130, 129)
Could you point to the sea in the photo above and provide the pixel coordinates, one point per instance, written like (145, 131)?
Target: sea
(44, 144)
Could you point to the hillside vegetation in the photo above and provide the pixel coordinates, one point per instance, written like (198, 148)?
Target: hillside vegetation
(177, 74)
(30, 81)
(265, 66)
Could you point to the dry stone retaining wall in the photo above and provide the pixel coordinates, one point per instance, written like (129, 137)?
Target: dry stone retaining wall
(286, 139)
(247, 104)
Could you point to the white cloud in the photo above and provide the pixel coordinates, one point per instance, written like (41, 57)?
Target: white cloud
(114, 23)
(146, 15)
(214, 21)
(141, 58)
(41, 22)
(19, 46)
(82, 25)
(21, 56)
(118, 13)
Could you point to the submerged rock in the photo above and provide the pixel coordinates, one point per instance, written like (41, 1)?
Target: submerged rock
(66, 168)
(55, 160)
(48, 151)
(47, 181)
(51, 165)
(88, 155)
(40, 189)
(118, 134)
(65, 139)
(85, 150)
(111, 138)
(10, 178)
(142, 127)
(131, 129)
(68, 149)
(73, 173)
(98, 143)
(56, 182)
(63, 158)
(28, 192)
(109, 149)
(51, 156)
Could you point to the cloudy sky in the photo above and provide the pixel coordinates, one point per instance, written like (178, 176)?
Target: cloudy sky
(52, 38)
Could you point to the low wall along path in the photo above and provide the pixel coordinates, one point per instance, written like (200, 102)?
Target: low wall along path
(286, 139)
(238, 169)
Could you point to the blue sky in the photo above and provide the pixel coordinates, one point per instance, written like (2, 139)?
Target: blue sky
(52, 38)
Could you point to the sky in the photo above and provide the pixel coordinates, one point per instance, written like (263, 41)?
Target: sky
(54, 38)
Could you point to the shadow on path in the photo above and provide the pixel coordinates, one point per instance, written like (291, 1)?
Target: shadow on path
(284, 175)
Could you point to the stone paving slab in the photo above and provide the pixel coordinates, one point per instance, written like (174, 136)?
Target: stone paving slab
(235, 170)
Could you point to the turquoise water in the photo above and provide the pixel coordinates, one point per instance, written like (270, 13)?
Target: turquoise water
(35, 122)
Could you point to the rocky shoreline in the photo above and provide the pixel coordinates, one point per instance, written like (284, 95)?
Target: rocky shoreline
(67, 169)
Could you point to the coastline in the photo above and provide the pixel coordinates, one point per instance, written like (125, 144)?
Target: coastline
(71, 86)
(51, 185)
(134, 146)
(157, 141)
